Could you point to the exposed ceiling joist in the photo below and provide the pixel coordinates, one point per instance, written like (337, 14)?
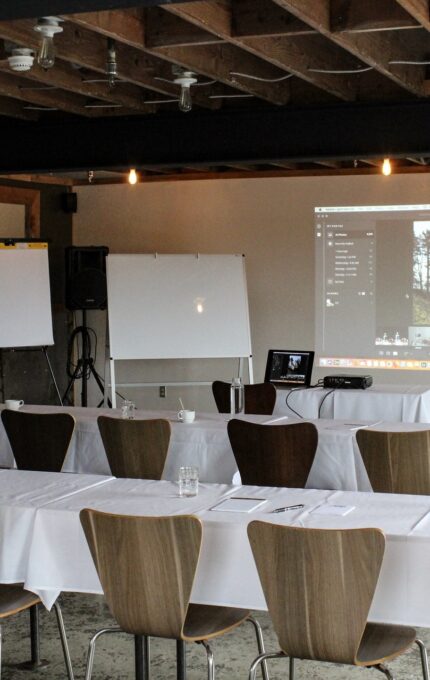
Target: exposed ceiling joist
(419, 9)
(30, 9)
(218, 138)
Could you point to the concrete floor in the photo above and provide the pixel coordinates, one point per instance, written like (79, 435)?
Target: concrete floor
(84, 614)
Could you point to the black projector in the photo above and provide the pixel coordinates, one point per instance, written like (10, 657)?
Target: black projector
(348, 382)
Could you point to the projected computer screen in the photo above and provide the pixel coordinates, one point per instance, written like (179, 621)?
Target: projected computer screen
(373, 286)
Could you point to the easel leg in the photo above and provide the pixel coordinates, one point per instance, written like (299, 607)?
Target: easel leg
(45, 351)
(112, 382)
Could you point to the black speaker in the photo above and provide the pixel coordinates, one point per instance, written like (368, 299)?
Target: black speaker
(86, 277)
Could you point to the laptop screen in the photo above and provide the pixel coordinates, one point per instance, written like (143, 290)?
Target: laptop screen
(289, 367)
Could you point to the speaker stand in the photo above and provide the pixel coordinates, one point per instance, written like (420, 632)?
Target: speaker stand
(85, 366)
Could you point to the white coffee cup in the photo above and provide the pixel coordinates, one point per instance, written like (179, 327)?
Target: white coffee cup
(14, 404)
(186, 416)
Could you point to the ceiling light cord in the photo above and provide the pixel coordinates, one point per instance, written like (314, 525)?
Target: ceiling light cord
(341, 71)
(260, 79)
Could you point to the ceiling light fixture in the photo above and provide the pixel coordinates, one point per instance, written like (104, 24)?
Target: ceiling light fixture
(185, 79)
(111, 64)
(47, 27)
(132, 176)
(21, 59)
(386, 167)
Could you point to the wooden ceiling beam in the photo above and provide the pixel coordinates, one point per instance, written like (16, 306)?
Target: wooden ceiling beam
(68, 78)
(30, 9)
(293, 54)
(215, 61)
(166, 30)
(368, 15)
(14, 87)
(89, 50)
(13, 109)
(375, 49)
(257, 18)
(419, 9)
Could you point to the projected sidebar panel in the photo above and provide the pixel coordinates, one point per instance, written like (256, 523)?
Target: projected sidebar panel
(373, 286)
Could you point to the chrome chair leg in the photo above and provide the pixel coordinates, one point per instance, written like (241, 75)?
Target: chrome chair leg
(260, 659)
(210, 657)
(260, 644)
(291, 673)
(424, 659)
(63, 639)
(381, 667)
(91, 649)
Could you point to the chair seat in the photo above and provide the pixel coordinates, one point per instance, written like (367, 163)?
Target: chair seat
(14, 599)
(206, 621)
(382, 642)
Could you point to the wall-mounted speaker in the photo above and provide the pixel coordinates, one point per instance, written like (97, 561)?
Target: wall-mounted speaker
(69, 202)
(86, 286)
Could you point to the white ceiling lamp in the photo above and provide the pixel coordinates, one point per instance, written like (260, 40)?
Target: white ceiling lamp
(185, 79)
(47, 27)
(21, 59)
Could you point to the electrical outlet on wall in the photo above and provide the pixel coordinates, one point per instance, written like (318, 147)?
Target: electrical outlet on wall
(162, 392)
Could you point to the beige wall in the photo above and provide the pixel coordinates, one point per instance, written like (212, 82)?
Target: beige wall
(12, 220)
(269, 220)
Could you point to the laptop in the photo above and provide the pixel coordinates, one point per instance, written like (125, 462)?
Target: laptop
(289, 368)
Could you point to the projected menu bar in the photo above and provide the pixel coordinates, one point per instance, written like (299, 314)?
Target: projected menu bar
(397, 364)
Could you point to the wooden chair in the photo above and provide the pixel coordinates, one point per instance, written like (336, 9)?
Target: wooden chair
(319, 585)
(39, 441)
(146, 566)
(14, 599)
(273, 455)
(259, 399)
(135, 449)
(396, 462)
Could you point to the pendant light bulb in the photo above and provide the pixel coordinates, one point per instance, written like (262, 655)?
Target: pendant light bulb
(46, 55)
(185, 100)
(386, 167)
(47, 27)
(132, 176)
(185, 79)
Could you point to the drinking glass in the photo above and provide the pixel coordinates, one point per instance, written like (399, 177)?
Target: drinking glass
(188, 481)
(127, 410)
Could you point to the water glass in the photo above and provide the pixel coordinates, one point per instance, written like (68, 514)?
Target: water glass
(188, 481)
(127, 410)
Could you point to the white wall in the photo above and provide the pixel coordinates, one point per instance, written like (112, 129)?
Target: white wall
(269, 220)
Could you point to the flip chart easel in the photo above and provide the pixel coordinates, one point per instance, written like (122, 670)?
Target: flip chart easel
(25, 300)
(177, 307)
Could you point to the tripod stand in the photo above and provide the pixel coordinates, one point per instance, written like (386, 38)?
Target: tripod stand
(84, 368)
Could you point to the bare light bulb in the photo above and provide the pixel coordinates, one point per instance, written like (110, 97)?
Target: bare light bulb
(386, 167)
(132, 176)
(185, 100)
(46, 56)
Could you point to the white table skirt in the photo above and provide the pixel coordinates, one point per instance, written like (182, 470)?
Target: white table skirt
(338, 463)
(394, 403)
(57, 557)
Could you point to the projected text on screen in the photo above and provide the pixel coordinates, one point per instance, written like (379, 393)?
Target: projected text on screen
(373, 286)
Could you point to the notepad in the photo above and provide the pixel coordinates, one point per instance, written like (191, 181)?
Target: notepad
(238, 504)
(339, 510)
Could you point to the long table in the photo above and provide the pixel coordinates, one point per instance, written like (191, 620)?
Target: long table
(395, 403)
(44, 546)
(338, 463)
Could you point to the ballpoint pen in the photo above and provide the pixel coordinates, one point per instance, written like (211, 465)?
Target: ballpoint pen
(288, 507)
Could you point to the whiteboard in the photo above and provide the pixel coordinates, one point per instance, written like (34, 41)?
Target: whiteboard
(25, 296)
(177, 306)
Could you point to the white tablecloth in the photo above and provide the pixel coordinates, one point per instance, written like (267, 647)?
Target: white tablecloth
(57, 557)
(402, 403)
(338, 463)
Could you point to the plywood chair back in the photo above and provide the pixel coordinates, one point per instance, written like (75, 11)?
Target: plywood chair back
(259, 399)
(273, 455)
(39, 441)
(135, 448)
(318, 585)
(396, 462)
(146, 566)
